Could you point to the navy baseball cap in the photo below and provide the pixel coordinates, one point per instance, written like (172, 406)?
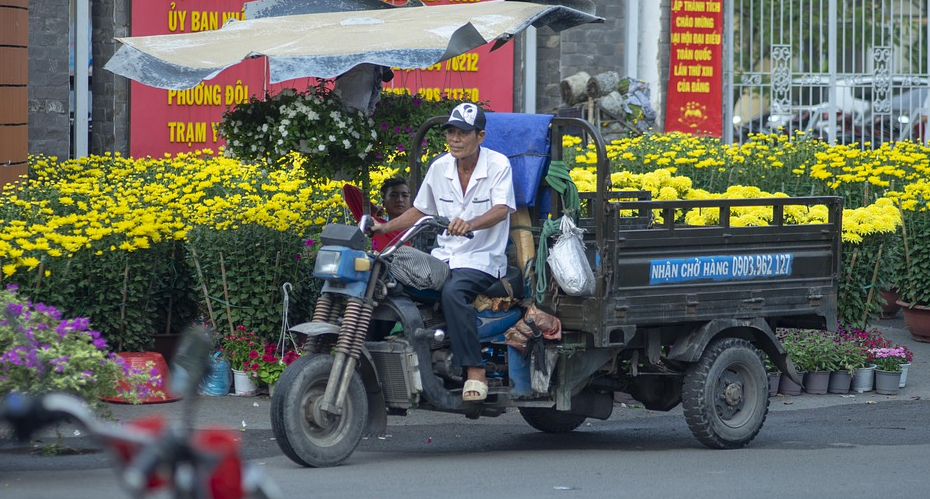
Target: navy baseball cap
(466, 116)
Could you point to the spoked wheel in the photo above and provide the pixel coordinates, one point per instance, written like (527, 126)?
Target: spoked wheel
(549, 420)
(725, 396)
(306, 434)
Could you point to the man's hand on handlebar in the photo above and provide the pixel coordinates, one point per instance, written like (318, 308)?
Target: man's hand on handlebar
(459, 227)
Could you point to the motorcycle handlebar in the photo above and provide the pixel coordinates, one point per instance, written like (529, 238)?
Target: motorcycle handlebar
(156, 451)
(423, 223)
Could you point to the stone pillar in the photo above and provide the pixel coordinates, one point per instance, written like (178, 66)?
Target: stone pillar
(49, 81)
(110, 113)
(14, 77)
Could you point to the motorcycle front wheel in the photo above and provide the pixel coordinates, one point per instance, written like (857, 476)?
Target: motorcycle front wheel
(306, 434)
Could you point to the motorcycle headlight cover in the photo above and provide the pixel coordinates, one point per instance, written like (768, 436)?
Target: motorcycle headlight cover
(327, 263)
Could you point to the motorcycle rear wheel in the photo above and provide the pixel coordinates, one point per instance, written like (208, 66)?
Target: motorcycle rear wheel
(306, 435)
(549, 420)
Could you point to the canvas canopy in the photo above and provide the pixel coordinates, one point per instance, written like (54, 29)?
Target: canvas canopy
(328, 44)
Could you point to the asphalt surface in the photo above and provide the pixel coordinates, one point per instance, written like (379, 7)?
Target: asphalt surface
(249, 415)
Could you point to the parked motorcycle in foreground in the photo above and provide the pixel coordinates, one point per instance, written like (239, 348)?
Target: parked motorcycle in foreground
(152, 457)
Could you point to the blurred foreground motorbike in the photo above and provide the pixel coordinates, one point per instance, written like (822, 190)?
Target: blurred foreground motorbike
(151, 456)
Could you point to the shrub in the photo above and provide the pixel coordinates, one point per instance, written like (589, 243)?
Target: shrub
(41, 352)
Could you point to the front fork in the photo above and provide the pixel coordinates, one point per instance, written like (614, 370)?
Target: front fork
(348, 347)
(352, 333)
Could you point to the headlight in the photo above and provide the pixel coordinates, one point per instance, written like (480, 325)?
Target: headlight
(327, 262)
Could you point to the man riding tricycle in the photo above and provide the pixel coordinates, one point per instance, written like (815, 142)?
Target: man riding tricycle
(675, 314)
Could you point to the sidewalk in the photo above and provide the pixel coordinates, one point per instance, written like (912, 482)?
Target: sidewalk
(253, 412)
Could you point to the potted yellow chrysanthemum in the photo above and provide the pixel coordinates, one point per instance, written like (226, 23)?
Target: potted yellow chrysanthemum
(914, 275)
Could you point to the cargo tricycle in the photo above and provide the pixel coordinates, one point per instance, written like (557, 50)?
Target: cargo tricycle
(680, 314)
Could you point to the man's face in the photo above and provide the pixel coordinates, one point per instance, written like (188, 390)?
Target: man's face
(396, 200)
(463, 144)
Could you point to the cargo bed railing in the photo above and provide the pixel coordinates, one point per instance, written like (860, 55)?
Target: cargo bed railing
(668, 208)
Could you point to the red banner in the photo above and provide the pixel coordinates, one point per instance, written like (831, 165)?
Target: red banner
(168, 121)
(695, 88)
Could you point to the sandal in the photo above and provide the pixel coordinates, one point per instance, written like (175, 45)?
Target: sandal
(474, 385)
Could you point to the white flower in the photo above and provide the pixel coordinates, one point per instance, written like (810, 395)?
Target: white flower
(312, 115)
(285, 122)
(346, 143)
(284, 133)
(332, 138)
(264, 127)
(335, 115)
(321, 147)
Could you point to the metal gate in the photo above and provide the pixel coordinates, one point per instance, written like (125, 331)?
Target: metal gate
(848, 71)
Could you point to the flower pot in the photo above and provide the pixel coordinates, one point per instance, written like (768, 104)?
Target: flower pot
(904, 374)
(917, 320)
(840, 381)
(886, 382)
(788, 387)
(243, 383)
(863, 379)
(774, 381)
(140, 360)
(891, 307)
(817, 382)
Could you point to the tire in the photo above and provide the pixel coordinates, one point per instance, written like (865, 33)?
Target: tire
(549, 420)
(712, 420)
(304, 439)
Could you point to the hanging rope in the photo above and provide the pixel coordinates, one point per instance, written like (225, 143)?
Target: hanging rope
(285, 325)
(560, 179)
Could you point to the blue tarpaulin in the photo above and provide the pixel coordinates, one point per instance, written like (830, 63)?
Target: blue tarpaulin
(525, 139)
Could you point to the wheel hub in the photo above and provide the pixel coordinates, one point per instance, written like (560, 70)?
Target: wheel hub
(314, 414)
(730, 395)
(733, 393)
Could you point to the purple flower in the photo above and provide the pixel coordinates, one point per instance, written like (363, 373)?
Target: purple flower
(297, 256)
(309, 242)
(100, 343)
(59, 363)
(397, 129)
(384, 125)
(407, 129)
(52, 312)
(15, 309)
(401, 148)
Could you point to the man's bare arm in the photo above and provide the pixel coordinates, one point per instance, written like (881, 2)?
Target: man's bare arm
(405, 220)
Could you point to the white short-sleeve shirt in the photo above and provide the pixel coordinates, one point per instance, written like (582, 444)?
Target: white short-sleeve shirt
(491, 184)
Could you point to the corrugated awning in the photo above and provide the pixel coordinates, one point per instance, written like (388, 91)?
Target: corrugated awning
(328, 44)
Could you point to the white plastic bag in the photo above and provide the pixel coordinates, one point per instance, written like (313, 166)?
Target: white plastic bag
(568, 262)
